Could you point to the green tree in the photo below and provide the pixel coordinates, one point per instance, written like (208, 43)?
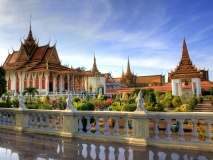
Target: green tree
(31, 91)
(211, 90)
(3, 82)
(152, 98)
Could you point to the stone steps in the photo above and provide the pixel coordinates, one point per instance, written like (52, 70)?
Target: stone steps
(206, 106)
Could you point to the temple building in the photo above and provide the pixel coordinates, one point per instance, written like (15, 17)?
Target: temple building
(40, 67)
(96, 83)
(186, 78)
(129, 80)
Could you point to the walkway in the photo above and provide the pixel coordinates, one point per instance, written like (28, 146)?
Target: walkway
(25, 146)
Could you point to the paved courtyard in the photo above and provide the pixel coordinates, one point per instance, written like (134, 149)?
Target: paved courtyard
(28, 146)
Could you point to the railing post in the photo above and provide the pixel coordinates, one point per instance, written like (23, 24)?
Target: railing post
(21, 120)
(70, 123)
(140, 128)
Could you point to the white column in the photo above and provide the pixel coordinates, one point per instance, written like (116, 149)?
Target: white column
(87, 85)
(179, 87)
(47, 82)
(73, 83)
(54, 83)
(34, 79)
(60, 83)
(40, 75)
(193, 91)
(14, 83)
(21, 83)
(68, 83)
(198, 85)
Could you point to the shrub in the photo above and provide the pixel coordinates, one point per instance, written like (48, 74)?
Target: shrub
(135, 91)
(124, 97)
(129, 107)
(176, 101)
(154, 107)
(109, 102)
(211, 90)
(152, 98)
(192, 101)
(76, 99)
(183, 108)
(85, 106)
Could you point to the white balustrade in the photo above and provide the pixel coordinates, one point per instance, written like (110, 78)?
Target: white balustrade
(7, 118)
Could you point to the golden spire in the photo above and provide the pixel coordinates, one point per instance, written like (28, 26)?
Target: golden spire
(185, 55)
(128, 71)
(95, 71)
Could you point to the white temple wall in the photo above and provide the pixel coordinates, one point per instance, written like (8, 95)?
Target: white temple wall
(96, 83)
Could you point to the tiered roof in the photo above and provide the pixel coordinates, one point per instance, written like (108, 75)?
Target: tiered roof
(32, 57)
(185, 68)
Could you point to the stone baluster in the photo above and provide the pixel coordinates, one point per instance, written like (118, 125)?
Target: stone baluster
(116, 128)
(35, 121)
(126, 127)
(54, 123)
(7, 119)
(60, 123)
(47, 122)
(80, 125)
(180, 131)
(106, 126)
(155, 129)
(168, 131)
(41, 121)
(1, 118)
(93, 153)
(88, 127)
(208, 130)
(194, 131)
(30, 121)
(97, 126)
(11, 119)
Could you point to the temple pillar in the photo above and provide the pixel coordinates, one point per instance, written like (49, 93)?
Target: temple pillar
(47, 82)
(55, 82)
(34, 79)
(40, 74)
(14, 83)
(80, 85)
(176, 87)
(73, 83)
(68, 83)
(21, 83)
(193, 90)
(198, 85)
(61, 84)
(87, 84)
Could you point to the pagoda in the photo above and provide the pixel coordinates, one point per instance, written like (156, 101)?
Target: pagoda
(186, 78)
(127, 79)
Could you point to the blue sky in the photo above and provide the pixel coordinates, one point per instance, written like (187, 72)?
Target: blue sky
(149, 32)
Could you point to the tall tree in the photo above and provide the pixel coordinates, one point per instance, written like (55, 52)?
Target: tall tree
(3, 82)
(31, 91)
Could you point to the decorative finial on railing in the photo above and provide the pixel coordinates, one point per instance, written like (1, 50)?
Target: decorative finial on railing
(21, 103)
(140, 100)
(69, 103)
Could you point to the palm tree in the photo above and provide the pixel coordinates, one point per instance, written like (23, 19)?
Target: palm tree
(31, 91)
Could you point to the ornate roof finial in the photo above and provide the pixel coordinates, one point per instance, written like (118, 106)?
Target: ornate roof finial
(128, 71)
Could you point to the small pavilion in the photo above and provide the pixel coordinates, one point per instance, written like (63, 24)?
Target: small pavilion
(186, 78)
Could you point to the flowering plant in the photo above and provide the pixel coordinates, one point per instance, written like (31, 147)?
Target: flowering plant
(98, 103)
(109, 102)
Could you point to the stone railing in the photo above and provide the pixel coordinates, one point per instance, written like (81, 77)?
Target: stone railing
(148, 128)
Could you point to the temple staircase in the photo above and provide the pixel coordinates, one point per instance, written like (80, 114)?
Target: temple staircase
(206, 106)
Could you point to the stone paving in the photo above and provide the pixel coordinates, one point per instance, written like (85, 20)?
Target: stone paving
(28, 146)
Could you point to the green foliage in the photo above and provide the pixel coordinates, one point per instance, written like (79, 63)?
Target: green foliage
(15, 103)
(167, 102)
(85, 106)
(135, 91)
(152, 98)
(176, 101)
(157, 95)
(154, 107)
(131, 101)
(3, 82)
(31, 91)
(146, 92)
(183, 108)
(117, 98)
(61, 103)
(100, 96)
(211, 90)
(192, 101)
(87, 97)
(116, 106)
(183, 99)
(129, 107)
(76, 99)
